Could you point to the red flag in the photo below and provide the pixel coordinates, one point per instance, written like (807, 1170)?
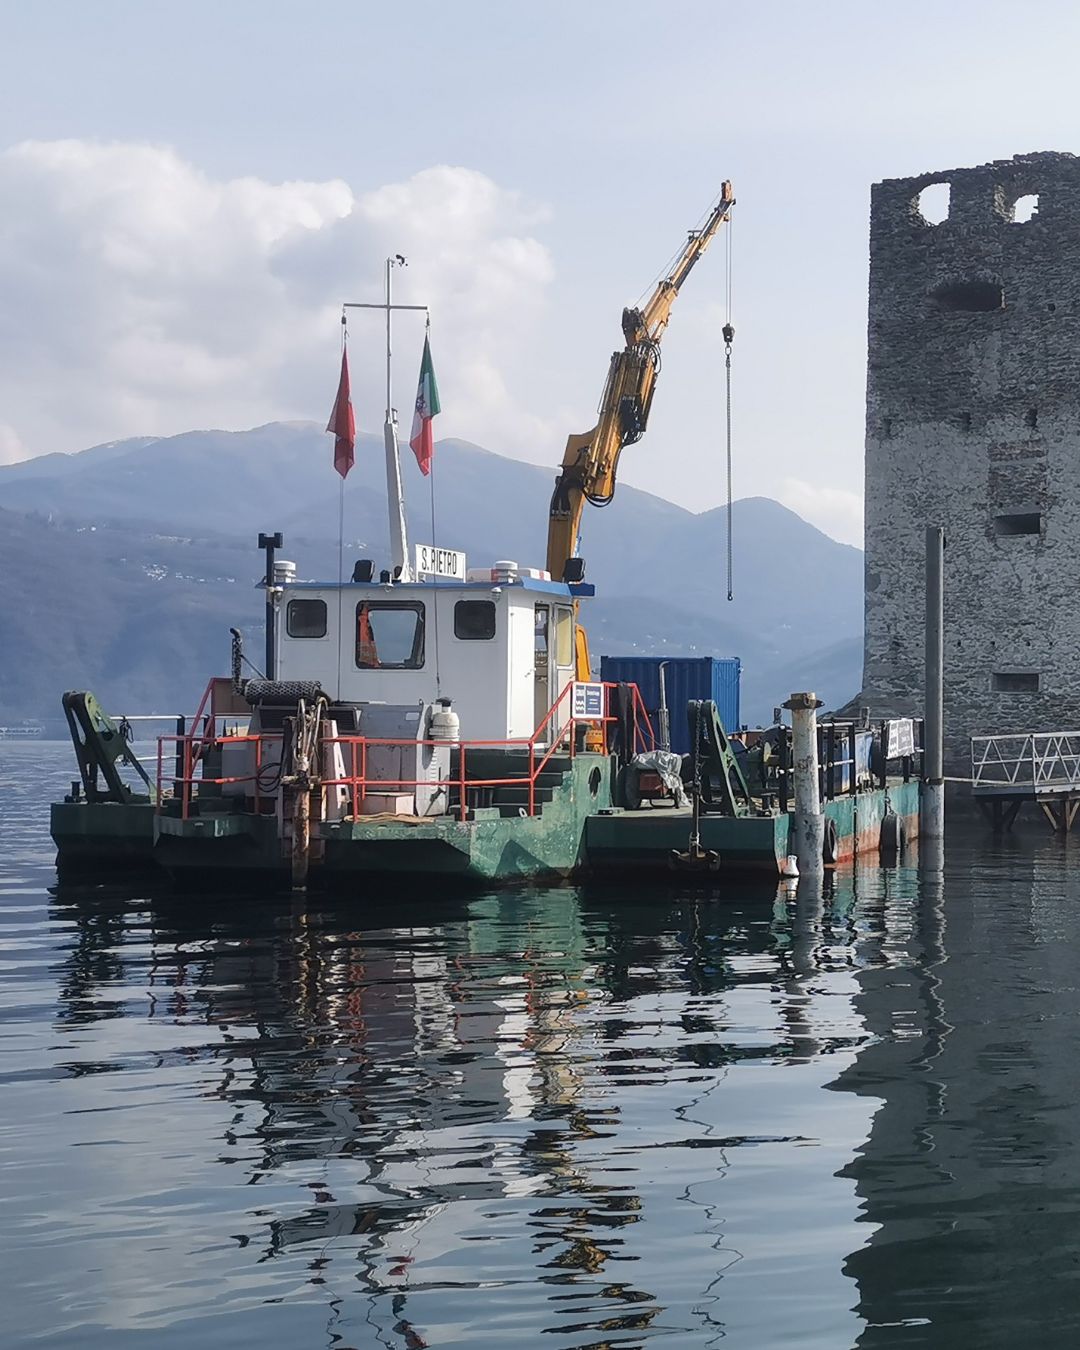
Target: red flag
(342, 421)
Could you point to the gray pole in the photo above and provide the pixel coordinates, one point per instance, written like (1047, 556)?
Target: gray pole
(932, 790)
(270, 543)
(389, 395)
(399, 536)
(808, 821)
(662, 712)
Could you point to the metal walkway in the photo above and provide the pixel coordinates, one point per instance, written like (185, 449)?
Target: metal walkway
(1040, 767)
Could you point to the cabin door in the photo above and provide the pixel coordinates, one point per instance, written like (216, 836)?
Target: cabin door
(542, 666)
(562, 661)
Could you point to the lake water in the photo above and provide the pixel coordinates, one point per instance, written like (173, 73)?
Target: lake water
(557, 1118)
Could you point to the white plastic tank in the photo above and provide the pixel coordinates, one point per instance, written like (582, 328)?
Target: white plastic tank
(445, 724)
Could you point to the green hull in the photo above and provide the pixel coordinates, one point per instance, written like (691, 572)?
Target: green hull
(576, 831)
(490, 847)
(106, 837)
(649, 838)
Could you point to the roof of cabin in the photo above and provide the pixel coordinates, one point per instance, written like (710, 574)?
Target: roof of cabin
(578, 589)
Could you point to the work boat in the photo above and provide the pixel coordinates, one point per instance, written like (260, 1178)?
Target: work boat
(435, 727)
(428, 718)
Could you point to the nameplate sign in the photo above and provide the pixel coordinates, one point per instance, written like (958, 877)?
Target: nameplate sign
(439, 562)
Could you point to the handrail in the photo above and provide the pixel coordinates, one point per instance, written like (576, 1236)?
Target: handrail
(538, 733)
(1039, 759)
(190, 748)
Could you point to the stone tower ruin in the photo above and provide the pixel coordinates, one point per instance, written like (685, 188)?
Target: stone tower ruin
(973, 423)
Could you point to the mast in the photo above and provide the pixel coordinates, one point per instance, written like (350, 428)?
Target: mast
(395, 497)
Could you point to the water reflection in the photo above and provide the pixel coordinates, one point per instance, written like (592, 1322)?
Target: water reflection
(564, 1118)
(563, 1099)
(968, 1179)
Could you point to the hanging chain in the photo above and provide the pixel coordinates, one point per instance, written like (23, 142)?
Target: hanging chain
(729, 337)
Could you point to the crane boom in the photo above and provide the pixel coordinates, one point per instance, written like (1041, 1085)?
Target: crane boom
(591, 458)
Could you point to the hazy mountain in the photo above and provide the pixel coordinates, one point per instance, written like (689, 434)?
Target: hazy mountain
(140, 619)
(124, 565)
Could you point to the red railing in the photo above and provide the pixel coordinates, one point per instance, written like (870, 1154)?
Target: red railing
(553, 733)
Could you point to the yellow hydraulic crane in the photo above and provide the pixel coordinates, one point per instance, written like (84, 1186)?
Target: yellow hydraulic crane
(592, 457)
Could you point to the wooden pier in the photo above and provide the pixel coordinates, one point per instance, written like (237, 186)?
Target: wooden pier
(1039, 767)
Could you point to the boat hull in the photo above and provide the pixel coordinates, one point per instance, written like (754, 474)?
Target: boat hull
(578, 832)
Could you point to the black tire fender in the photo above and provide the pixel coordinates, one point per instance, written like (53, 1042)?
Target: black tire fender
(892, 835)
(830, 841)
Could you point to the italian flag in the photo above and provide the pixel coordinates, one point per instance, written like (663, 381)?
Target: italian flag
(422, 440)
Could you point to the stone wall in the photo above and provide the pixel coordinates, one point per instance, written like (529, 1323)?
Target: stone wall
(973, 423)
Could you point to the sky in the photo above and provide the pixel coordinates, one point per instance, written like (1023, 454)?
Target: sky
(189, 192)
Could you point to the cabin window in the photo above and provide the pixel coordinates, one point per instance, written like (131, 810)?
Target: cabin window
(389, 635)
(474, 620)
(564, 637)
(306, 618)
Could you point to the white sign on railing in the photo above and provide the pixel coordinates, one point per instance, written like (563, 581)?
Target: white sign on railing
(439, 562)
(901, 738)
(588, 700)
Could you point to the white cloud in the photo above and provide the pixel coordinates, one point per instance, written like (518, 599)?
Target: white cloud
(140, 296)
(12, 449)
(836, 511)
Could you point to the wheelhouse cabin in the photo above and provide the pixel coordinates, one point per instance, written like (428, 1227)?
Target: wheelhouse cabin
(499, 646)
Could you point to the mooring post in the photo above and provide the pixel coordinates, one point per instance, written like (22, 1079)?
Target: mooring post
(808, 822)
(932, 788)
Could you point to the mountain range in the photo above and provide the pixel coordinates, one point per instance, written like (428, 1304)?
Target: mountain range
(123, 566)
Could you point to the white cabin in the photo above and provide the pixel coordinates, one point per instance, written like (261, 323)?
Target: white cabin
(501, 651)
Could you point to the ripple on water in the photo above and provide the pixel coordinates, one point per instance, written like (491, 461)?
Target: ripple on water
(563, 1118)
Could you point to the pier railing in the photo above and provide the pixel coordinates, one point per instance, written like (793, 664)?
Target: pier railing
(183, 760)
(1035, 762)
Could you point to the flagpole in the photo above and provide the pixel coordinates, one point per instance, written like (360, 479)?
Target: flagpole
(434, 544)
(399, 534)
(399, 543)
(341, 541)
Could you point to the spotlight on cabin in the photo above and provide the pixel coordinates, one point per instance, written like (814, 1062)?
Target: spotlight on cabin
(573, 570)
(363, 569)
(384, 577)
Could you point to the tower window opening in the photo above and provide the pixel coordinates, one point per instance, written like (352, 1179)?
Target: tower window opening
(1018, 522)
(1015, 682)
(971, 296)
(933, 203)
(1025, 208)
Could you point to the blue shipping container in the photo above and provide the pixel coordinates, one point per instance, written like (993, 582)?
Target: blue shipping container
(685, 677)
